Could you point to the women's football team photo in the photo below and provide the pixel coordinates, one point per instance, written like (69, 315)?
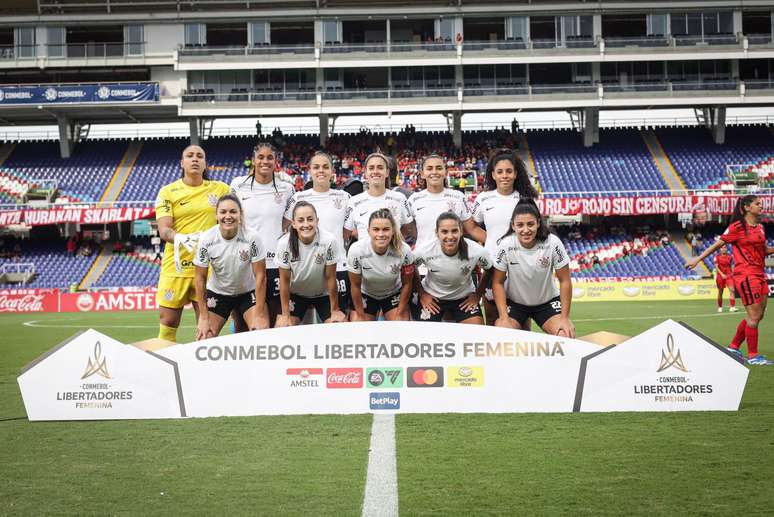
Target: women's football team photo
(264, 255)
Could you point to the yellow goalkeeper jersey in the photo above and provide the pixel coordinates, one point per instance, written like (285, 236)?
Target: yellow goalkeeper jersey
(192, 210)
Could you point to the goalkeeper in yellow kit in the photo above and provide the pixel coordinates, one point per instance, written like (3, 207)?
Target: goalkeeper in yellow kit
(183, 209)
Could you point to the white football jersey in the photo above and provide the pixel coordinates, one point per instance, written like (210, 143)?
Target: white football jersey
(494, 211)
(425, 207)
(380, 274)
(308, 269)
(264, 209)
(530, 271)
(361, 206)
(231, 260)
(449, 278)
(331, 207)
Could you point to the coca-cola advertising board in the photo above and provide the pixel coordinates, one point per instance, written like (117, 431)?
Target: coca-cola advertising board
(25, 301)
(411, 367)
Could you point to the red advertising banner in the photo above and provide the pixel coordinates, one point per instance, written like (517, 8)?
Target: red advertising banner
(32, 217)
(644, 205)
(103, 301)
(29, 302)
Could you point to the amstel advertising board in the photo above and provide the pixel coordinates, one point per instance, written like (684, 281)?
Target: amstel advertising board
(338, 369)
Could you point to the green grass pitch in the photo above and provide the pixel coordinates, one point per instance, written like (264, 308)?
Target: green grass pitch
(476, 464)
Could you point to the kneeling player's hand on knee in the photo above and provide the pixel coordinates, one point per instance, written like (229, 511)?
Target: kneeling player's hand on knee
(565, 328)
(505, 323)
(336, 317)
(203, 330)
(283, 321)
(470, 303)
(429, 303)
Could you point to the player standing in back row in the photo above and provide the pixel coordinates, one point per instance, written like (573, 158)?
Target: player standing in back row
(747, 238)
(184, 208)
(264, 200)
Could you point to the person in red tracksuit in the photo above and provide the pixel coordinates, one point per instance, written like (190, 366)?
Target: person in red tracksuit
(724, 278)
(747, 238)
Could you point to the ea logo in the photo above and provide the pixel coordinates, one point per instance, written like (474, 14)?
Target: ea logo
(103, 93)
(84, 302)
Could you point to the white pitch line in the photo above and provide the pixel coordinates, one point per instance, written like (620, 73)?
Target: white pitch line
(36, 324)
(381, 491)
(670, 316)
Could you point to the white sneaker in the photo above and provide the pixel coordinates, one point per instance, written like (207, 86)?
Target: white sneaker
(720, 309)
(733, 309)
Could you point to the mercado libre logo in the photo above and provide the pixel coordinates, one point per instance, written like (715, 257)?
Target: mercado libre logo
(671, 359)
(425, 377)
(384, 377)
(465, 376)
(97, 364)
(304, 377)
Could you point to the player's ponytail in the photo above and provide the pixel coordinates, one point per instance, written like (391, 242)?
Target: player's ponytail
(293, 233)
(529, 207)
(396, 243)
(462, 249)
(740, 210)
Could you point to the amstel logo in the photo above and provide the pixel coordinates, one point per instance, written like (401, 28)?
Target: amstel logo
(98, 365)
(669, 358)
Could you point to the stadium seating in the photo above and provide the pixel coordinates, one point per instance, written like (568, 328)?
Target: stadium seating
(619, 162)
(702, 164)
(133, 270)
(53, 266)
(82, 177)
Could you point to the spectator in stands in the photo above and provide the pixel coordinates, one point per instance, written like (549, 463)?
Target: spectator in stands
(528, 256)
(118, 248)
(595, 260)
(696, 244)
(72, 245)
(748, 240)
(238, 278)
(184, 208)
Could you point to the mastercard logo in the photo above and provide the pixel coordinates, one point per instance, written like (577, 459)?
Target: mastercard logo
(425, 377)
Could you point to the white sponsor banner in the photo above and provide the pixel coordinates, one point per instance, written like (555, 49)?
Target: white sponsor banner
(409, 367)
(669, 367)
(94, 377)
(406, 367)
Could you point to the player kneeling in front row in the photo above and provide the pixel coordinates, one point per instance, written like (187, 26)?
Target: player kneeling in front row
(450, 260)
(307, 257)
(238, 279)
(528, 255)
(381, 270)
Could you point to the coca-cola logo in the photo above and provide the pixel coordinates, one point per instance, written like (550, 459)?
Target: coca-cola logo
(84, 302)
(344, 378)
(27, 303)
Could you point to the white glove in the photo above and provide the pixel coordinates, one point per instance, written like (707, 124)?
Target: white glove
(186, 240)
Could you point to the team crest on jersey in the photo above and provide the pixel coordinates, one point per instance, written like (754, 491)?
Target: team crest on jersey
(450, 205)
(278, 198)
(544, 262)
(169, 294)
(338, 203)
(212, 199)
(465, 270)
(318, 259)
(244, 255)
(394, 269)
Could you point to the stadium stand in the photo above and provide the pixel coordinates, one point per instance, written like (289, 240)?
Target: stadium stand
(702, 163)
(82, 177)
(54, 267)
